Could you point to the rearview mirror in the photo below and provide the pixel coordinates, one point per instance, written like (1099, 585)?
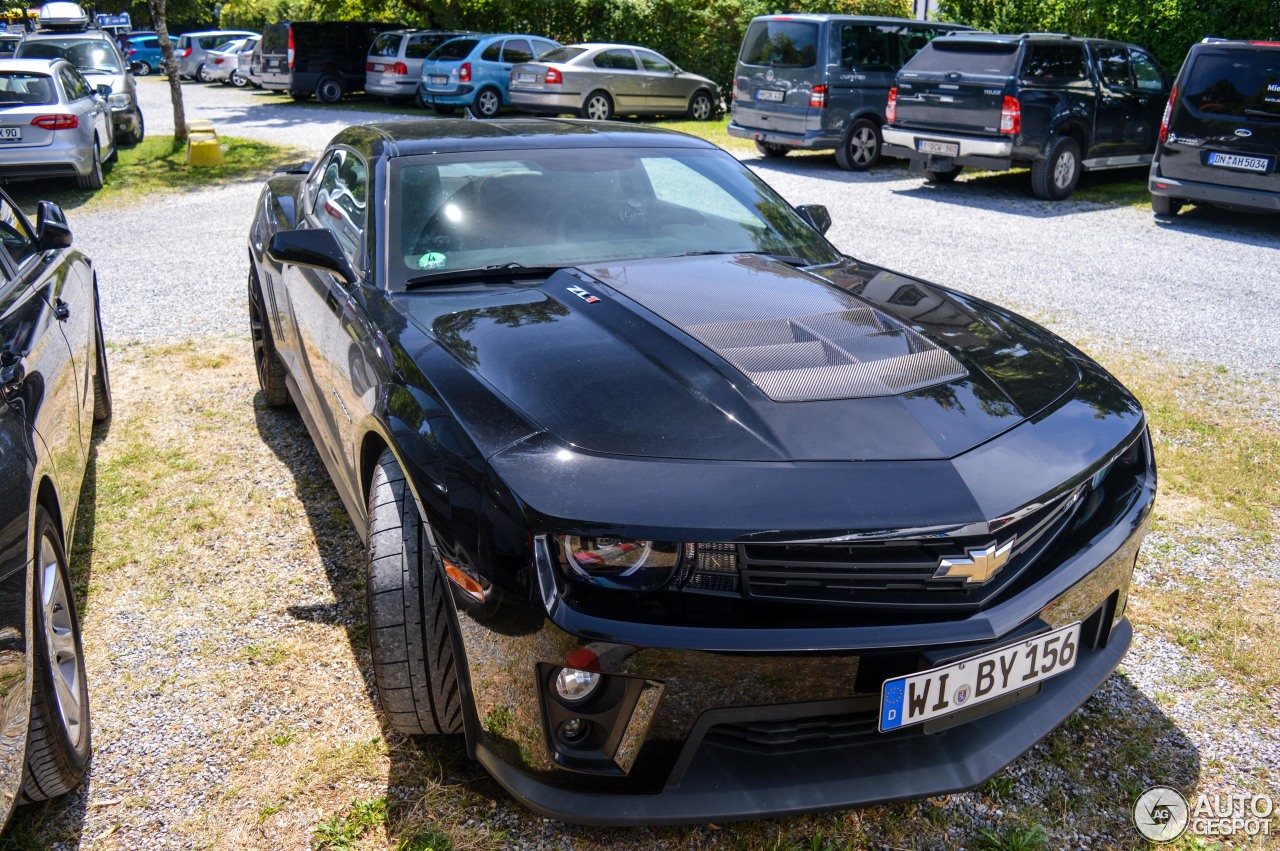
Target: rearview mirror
(51, 227)
(103, 89)
(314, 248)
(816, 216)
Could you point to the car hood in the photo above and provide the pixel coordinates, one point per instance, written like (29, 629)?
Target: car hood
(741, 357)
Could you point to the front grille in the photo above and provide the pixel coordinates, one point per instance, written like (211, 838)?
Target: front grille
(897, 572)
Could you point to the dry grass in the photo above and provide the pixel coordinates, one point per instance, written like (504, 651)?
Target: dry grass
(231, 680)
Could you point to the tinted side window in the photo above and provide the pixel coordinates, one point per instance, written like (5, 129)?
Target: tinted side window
(995, 58)
(780, 44)
(517, 50)
(1113, 66)
(459, 48)
(654, 63)
(543, 47)
(866, 48)
(15, 234)
(492, 53)
(1235, 83)
(421, 45)
(1146, 72)
(74, 84)
(621, 60)
(1055, 63)
(912, 40)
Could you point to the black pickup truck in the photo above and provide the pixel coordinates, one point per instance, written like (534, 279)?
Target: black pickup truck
(1054, 103)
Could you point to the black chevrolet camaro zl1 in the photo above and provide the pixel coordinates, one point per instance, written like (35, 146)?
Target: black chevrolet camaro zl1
(673, 511)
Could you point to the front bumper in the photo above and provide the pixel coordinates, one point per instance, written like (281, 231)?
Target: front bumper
(1210, 193)
(974, 151)
(126, 120)
(735, 723)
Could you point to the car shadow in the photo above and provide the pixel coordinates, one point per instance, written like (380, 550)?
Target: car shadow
(415, 761)
(1257, 229)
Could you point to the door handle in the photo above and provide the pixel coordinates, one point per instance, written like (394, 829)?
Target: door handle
(61, 310)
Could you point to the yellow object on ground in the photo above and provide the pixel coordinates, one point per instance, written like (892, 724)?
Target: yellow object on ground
(202, 144)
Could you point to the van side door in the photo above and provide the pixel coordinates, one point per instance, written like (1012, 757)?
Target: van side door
(867, 57)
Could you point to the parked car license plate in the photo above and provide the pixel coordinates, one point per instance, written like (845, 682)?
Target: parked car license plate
(1236, 161)
(917, 698)
(770, 94)
(930, 146)
(11, 133)
(526, 78)
(377, 67)
(437, 80)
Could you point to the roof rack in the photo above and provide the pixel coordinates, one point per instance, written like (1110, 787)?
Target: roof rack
(1045, 35)
(62, 16)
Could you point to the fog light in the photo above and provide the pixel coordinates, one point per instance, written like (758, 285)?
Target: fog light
(574, 685)
(574, 730)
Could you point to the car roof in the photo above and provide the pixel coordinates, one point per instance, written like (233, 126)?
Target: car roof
(96, 35)
(1018, 38)
(39, 66)
(201, 33)
(817, 18)
(450, 135)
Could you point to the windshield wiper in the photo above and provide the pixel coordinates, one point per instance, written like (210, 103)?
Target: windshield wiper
(789, 259)
(1262, 113)
(480, 273)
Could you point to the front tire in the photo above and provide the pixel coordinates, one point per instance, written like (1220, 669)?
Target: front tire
(409, 622)
(1164, 206)
(203, 75)
(92, 180)
(238, 80)
(58, 745)
(772, 151)
(700, 107)
(1054, 177)
(136, 136)
(487, 103)
(598, 107)
(860, 148)
(266, 360)
(329, 90)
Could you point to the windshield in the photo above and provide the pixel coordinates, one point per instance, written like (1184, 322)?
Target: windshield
(89, 55)
(459, 48)
(575, 206)
(968, 56)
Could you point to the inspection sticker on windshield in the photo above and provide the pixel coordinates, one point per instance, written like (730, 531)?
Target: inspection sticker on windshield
(432, 260)
(10, 132)
(917, 698)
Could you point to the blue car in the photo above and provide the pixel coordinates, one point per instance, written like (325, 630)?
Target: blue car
(475, 71)
(143, 55)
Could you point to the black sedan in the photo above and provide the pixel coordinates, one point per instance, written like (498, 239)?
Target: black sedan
(53, 378)
(674, 512)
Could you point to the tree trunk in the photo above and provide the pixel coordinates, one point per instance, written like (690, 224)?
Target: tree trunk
(159, 9)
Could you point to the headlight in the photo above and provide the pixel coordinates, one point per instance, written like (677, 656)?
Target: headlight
(120, 101)
(620, 562)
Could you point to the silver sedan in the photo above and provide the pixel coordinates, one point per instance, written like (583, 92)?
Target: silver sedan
(53, 123)
(599, 81)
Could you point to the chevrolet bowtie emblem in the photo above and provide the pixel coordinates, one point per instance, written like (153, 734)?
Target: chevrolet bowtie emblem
(980, 566)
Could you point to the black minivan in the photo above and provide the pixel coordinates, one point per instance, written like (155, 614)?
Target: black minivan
(1220, 137)
(821, 81)
(327, 58)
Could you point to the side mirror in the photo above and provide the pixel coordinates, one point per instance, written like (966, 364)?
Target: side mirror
(314, 248)
(51, 227)
(816, 216)
(103, 90)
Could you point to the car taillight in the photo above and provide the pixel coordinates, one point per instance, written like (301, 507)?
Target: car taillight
(186, 53)
(891, 108)
(368, 66)
(818, 98)
(1011, 116)
(1168, 113)
(464, 72)
(217, 60)
(61, 121)
(400, 68)
(290, 48)
(554, 77)
(133, 50)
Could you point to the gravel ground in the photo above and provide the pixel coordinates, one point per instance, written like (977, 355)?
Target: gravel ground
(166, 752)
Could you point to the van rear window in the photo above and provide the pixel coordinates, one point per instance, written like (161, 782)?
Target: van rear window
(387, 44)
(275, 39)
(997, 58)
(781, 44)
(1238, 84)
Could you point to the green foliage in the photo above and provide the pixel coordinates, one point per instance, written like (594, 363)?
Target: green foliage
(344, 832)
(1166, 27)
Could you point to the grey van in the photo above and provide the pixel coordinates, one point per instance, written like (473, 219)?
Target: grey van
(191, 49)
(820, 82)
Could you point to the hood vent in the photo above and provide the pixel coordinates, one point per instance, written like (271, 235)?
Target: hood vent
(796, 338)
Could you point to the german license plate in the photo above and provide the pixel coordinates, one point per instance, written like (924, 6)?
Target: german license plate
(526, 78)
(930, 146)
(770, 94)
(1236, 161)
(917, 698)
(438, 80)
(10, 133)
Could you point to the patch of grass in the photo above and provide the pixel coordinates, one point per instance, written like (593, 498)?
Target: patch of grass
(344, 831)
(715, 131)
(499, 720)
(159, 165)
(1001, 785)
(1014, 838)
(424, 837)
(264, 653)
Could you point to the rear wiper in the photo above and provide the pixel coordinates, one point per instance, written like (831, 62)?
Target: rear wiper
(789, 259)
(479, 273)
(1262, 113)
